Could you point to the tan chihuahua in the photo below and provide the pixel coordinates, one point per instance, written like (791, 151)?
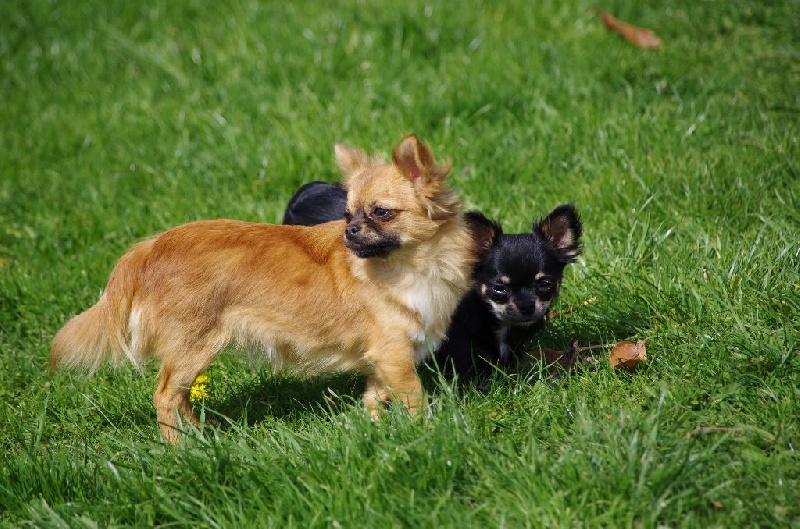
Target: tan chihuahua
(373, 293)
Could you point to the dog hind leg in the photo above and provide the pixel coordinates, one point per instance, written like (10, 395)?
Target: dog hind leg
(178, 371)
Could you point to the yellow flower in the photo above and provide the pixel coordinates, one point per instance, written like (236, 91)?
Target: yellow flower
(199, 389)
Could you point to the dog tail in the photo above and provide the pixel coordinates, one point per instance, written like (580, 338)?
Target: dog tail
(102, 331)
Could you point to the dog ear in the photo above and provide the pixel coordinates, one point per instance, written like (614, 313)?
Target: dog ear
(485, 232)
(349, 159)
(416, 162)
(562, 228)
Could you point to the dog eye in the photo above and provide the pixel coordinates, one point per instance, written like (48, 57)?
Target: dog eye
(498, 293)
(348, 216)
(545, 285)
(380, 212)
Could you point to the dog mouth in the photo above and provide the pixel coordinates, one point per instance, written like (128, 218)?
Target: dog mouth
(520, 320)
(513, 316)
(366, 250)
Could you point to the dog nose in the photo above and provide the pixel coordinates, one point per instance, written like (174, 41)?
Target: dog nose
(526, 310)
(352, 230)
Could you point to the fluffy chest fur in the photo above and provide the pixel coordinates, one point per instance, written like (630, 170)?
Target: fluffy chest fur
(425, 282)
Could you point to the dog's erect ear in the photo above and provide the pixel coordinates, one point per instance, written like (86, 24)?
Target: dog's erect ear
(350, 159)
(415, 161)
(562, 228)
(485, 232)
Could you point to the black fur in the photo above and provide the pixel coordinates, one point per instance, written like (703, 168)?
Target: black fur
(515, 281)
(316, 203)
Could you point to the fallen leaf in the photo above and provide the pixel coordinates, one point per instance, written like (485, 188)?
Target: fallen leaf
(643, 38)
(628, 354)
(561, 361)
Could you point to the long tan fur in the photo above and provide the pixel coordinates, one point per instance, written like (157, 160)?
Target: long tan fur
(101, 331)
(295, 294)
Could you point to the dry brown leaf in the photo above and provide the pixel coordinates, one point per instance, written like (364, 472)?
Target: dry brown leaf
(561, 361)
(628, 354)
(643, 38)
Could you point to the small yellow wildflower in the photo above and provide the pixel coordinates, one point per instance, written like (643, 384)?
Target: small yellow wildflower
(199, 389)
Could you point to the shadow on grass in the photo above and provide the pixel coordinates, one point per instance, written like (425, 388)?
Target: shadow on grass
(286, 398)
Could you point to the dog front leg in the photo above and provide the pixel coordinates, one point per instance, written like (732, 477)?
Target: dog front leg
(375, 397)
(394, 378)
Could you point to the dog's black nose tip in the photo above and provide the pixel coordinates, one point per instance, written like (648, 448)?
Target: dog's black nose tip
(526, 310)
(352, 229)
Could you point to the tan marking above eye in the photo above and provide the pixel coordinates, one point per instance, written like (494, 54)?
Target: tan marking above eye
(505, 280)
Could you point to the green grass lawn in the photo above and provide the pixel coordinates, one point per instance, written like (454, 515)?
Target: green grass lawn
(122, 119)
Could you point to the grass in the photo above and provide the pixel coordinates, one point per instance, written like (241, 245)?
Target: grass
(122, 119)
